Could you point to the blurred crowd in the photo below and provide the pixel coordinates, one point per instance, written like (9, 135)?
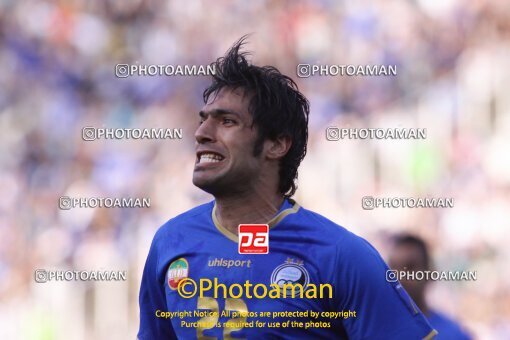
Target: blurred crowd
(58, 60)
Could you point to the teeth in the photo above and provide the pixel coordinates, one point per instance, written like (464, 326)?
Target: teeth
(210, 158)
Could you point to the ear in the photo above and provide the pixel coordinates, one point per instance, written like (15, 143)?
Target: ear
(278, 148)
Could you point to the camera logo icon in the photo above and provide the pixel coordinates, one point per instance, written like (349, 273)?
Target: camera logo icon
(88, 133)
(122, 70)
(65, 203)
(332, 133)
(391, 275)
(41, 276)
(304, 70)
(368, 203)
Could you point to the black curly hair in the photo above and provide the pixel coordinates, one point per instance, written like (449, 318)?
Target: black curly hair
(276, 105)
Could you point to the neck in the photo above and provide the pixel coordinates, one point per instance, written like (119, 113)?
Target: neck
(251, 207)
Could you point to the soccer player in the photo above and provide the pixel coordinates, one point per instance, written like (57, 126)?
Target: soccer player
(251, 139)
(410, 253)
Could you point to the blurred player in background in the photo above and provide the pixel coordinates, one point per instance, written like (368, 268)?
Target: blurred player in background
(251, 139)
(410, 253)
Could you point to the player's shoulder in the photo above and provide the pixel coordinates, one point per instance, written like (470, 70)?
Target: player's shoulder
(333, 231)
(346, 241)
(193, 216)
(447, 326)
(203, 210)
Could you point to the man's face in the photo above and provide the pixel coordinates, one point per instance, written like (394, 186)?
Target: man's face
(225, 142)
(406, 257)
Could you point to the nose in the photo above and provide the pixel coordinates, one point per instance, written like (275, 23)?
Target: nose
(205, 131)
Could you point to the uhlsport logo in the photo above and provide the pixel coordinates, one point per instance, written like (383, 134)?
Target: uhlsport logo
(290, 274)
(253, 239)
(177, 271)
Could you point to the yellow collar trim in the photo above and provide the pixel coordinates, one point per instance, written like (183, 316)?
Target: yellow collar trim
(431, 335)
(272, 223)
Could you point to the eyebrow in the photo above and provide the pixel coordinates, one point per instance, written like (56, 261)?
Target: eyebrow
(218, 112)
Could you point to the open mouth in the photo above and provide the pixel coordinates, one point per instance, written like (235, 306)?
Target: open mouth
(205, 157)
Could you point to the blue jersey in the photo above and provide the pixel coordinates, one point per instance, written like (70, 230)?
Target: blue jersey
(193, 254)
(447, 328)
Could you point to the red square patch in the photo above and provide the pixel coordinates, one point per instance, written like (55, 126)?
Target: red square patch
(253, 239)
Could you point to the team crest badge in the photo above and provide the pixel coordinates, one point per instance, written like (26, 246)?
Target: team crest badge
(290, 273)
(177, 271)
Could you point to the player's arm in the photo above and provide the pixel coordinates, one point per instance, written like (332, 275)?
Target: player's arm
(383, 309)
(152, 298)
